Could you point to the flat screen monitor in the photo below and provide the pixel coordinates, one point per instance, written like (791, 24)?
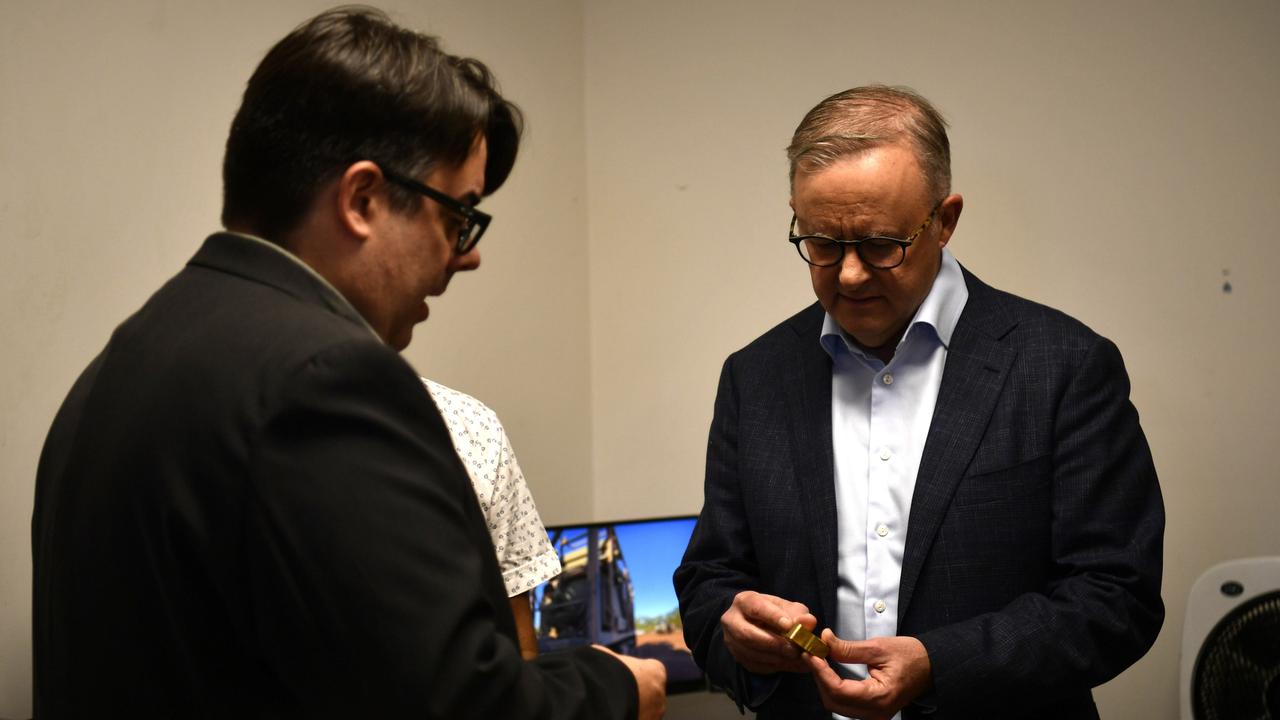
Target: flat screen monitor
(614, 589)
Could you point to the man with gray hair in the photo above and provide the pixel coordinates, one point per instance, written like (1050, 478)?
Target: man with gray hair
(948, 480)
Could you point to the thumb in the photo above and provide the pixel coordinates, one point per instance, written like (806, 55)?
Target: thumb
(847, 651)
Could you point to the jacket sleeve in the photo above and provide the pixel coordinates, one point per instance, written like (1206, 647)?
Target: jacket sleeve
(720, 561)
(374, 587)
(1100, 608)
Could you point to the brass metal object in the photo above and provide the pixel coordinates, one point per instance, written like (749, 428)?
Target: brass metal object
(807, 641)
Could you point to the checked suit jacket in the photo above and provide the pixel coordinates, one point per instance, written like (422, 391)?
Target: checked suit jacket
(1034, 544)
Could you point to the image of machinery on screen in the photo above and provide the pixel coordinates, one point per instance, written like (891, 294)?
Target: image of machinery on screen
(615, 590)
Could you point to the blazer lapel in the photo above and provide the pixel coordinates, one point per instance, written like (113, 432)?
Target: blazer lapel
(977, 365)
(809, 407)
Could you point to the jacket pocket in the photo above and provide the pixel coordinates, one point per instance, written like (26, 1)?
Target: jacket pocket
(1015, 483)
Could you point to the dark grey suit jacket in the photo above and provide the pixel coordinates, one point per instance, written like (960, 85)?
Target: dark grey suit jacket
(1034, 545)
(248, 506)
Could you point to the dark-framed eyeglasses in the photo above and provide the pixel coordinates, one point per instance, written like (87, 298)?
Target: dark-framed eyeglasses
(877, 251)
(474, 222)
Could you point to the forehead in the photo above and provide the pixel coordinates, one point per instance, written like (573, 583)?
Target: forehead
(882, 181)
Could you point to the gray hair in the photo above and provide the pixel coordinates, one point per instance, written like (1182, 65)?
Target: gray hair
(861, 118)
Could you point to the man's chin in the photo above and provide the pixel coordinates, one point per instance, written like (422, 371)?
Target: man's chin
(401, 341)
(401, 337)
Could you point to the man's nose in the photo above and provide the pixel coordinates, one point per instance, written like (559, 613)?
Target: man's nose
(468, 261)
(853, 272)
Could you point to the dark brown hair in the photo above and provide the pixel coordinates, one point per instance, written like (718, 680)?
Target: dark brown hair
(351, 85)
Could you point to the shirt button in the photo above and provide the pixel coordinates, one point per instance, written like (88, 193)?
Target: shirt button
(887, 379)
(882, 530)
(885, 454)
(880, 606)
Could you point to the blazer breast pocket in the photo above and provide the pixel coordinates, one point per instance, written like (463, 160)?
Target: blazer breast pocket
(1023, 484)
(1000, 522)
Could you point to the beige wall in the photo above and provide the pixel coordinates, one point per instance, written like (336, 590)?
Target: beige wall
(1116, 161)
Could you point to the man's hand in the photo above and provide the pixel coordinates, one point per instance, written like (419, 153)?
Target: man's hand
(898, 672)
(651, 682)
(753, 627)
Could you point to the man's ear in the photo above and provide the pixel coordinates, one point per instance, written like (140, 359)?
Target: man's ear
(949, 216)
(361, 199)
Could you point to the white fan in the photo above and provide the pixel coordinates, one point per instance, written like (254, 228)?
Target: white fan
(1231, 643)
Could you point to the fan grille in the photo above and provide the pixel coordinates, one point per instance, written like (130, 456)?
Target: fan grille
(1237, 672)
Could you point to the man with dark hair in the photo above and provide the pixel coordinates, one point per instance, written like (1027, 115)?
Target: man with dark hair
(950, 478)
(248, 505)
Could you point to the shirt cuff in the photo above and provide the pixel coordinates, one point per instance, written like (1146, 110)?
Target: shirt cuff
(529, 575)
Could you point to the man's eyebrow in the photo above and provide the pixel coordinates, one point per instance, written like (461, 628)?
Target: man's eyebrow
(893, 234)
(840, 235)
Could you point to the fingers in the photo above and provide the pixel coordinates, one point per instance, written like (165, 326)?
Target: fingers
(651, 683)
(822, 672)
(759, 650)
(849, 651)
(898, 668)
(753, 627)
(772, 612)
(852, 698)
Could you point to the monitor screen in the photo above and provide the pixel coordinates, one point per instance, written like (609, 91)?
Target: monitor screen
(614, 589)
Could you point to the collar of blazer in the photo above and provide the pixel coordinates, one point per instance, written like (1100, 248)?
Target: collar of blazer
(265, 262)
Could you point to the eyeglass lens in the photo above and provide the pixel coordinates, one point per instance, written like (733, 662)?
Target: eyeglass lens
(876, 252)
(468, 235)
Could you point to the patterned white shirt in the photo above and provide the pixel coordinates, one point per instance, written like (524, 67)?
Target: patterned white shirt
(525, 554)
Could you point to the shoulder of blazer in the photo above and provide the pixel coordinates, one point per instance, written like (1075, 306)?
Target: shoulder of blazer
(801, 328)
(1003, 316)
(261, 262)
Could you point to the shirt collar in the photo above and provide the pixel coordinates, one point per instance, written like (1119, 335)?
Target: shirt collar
(335, 296)
(940, 311)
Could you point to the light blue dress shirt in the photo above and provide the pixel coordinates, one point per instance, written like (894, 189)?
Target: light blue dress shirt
(880, 417)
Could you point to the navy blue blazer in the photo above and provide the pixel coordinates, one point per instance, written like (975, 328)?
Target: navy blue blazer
(1034, 545)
